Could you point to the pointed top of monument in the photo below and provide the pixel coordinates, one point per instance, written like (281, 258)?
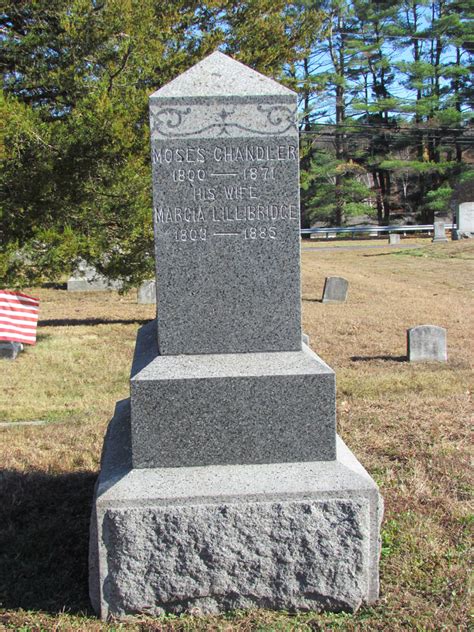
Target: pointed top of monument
(218, 76)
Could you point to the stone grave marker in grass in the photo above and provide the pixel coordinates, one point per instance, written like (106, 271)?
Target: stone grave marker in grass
(439, 232)
(426, 343)
(464, 221)
(85, 278)
(223, 482)
(146, 293)
(335, 290)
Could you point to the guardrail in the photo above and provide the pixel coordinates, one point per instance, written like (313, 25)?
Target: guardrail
(373, 230)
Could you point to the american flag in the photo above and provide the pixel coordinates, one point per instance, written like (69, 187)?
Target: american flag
(18, 317)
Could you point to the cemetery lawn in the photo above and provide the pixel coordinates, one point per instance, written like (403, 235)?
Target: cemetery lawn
(409, 424)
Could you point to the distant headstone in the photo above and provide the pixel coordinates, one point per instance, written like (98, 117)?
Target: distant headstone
(463, 192)
(393, 238)
(85, 278)
(439, 232)
(335, 290)
(223, 483)
(464, 221)
(426, 343)
(10, 350)
(147, 292)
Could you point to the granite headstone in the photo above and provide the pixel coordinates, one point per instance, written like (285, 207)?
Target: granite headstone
(226, 212)
(335, 290)
(465, 220)
(223, 482)
(439, 232)
(85, 278)
(146, 293)
(426, 343)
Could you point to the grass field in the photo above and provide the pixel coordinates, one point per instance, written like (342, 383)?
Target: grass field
(409, 424)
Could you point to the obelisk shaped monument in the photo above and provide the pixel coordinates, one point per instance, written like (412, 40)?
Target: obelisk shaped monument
(223, 482)
(226, 211)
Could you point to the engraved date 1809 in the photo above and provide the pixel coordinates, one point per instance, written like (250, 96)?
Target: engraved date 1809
(190, 234)
(201, 234)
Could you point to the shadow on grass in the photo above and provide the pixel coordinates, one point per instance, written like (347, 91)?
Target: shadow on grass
(44, 536)
(312, 300)
(72, 322)
(54, 286)
(398, 250)
(385, 358)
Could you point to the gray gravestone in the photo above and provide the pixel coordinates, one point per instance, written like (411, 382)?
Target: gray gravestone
(335, 290)
(439, 232)
(223, 483)
(85, 278)
(216, 409)
(393, 239)
(226, 211)
(146, 293)
(9, 350)
(426, 343)
(464, 221)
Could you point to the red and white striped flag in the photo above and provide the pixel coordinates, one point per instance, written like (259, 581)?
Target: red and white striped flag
(18, 317)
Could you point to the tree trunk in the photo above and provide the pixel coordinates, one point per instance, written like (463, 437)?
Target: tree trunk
(378, 197)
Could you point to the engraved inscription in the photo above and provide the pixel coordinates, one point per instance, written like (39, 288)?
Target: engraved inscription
(226, 191)
(225, 153)
(190, 234)
(260, 233)
(189, 175)
(250, 213)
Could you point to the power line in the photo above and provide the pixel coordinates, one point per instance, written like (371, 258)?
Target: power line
(449, 140)
(357, 125)
(387, 36)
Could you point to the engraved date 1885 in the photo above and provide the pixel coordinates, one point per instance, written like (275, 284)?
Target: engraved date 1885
(263, 232)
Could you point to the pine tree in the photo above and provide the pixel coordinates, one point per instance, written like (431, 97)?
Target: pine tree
(75, 149)
(432, 31)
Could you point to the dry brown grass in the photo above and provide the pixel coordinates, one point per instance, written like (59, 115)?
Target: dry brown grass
(409, 424)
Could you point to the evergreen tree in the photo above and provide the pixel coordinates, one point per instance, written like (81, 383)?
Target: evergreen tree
(75, 147)
(437, 82)
(391, 82)
(76, 173)
(388, 86)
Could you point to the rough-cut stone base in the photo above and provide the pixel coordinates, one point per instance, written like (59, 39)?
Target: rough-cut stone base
(207, 539)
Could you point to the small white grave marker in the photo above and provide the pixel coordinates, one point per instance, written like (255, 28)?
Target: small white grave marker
(426, 343)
